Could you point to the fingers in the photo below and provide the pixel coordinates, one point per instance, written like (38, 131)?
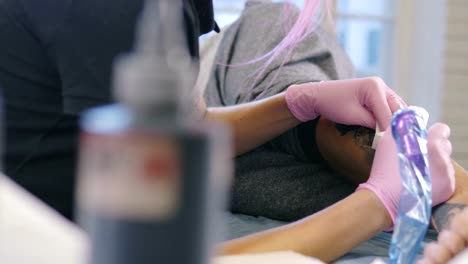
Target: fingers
(426, 261)
(442, 170)
(366, 118)
(452, 241)
(439, 145)
(437, 253)
(382, 101)
(395, 102)
(459, 225)
(374, 98)
(439, 130)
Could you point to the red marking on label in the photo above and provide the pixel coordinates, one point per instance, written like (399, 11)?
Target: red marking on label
(159, 167)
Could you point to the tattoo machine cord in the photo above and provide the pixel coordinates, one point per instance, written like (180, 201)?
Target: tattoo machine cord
(414, 211)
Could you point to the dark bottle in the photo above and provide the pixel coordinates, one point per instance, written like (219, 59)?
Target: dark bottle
(152, 182)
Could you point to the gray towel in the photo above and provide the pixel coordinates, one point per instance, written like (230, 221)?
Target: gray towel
(284, 179)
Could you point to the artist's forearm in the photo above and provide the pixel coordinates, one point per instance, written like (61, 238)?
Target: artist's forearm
(255, 123)
(326, 235)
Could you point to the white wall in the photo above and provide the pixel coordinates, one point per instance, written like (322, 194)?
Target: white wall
(455, 85)
(419, 50)
(431, 63)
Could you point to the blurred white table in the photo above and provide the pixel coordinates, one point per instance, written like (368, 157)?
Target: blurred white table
(270, 258)
(31, 232)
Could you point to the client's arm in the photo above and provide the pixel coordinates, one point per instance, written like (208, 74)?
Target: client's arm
(326, 235)
(347, 149)
(255, 123)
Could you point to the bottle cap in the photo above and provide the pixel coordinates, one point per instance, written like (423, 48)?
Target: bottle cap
(159, 71)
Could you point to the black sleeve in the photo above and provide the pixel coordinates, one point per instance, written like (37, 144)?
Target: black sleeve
(94, 35)
(27, 74)
(59, 53)
(81, 41)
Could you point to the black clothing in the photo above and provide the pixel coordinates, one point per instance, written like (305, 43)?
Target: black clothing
(56, 61)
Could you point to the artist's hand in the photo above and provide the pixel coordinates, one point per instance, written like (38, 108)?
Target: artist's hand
(385, 180)
(364, 102)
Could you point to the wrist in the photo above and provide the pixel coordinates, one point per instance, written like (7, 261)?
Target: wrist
(380, 213)
(281, 101)
(289, 100)
(301, 100)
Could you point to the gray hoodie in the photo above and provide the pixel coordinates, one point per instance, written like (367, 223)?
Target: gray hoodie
(285, 179)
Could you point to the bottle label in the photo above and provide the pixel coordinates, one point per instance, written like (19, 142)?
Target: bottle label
(134, 176)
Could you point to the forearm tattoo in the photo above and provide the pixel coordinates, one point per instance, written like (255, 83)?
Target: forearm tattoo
(443, 214)
(363, 137)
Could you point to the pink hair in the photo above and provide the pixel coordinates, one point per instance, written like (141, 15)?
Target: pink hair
(307, 21)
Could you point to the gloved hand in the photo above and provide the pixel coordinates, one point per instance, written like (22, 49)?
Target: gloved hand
(385, 180)
(362, 102)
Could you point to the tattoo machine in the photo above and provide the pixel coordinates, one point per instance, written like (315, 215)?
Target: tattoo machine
(414, 211)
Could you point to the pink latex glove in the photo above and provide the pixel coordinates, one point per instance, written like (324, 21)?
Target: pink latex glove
(385, 180)
(364, 102)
